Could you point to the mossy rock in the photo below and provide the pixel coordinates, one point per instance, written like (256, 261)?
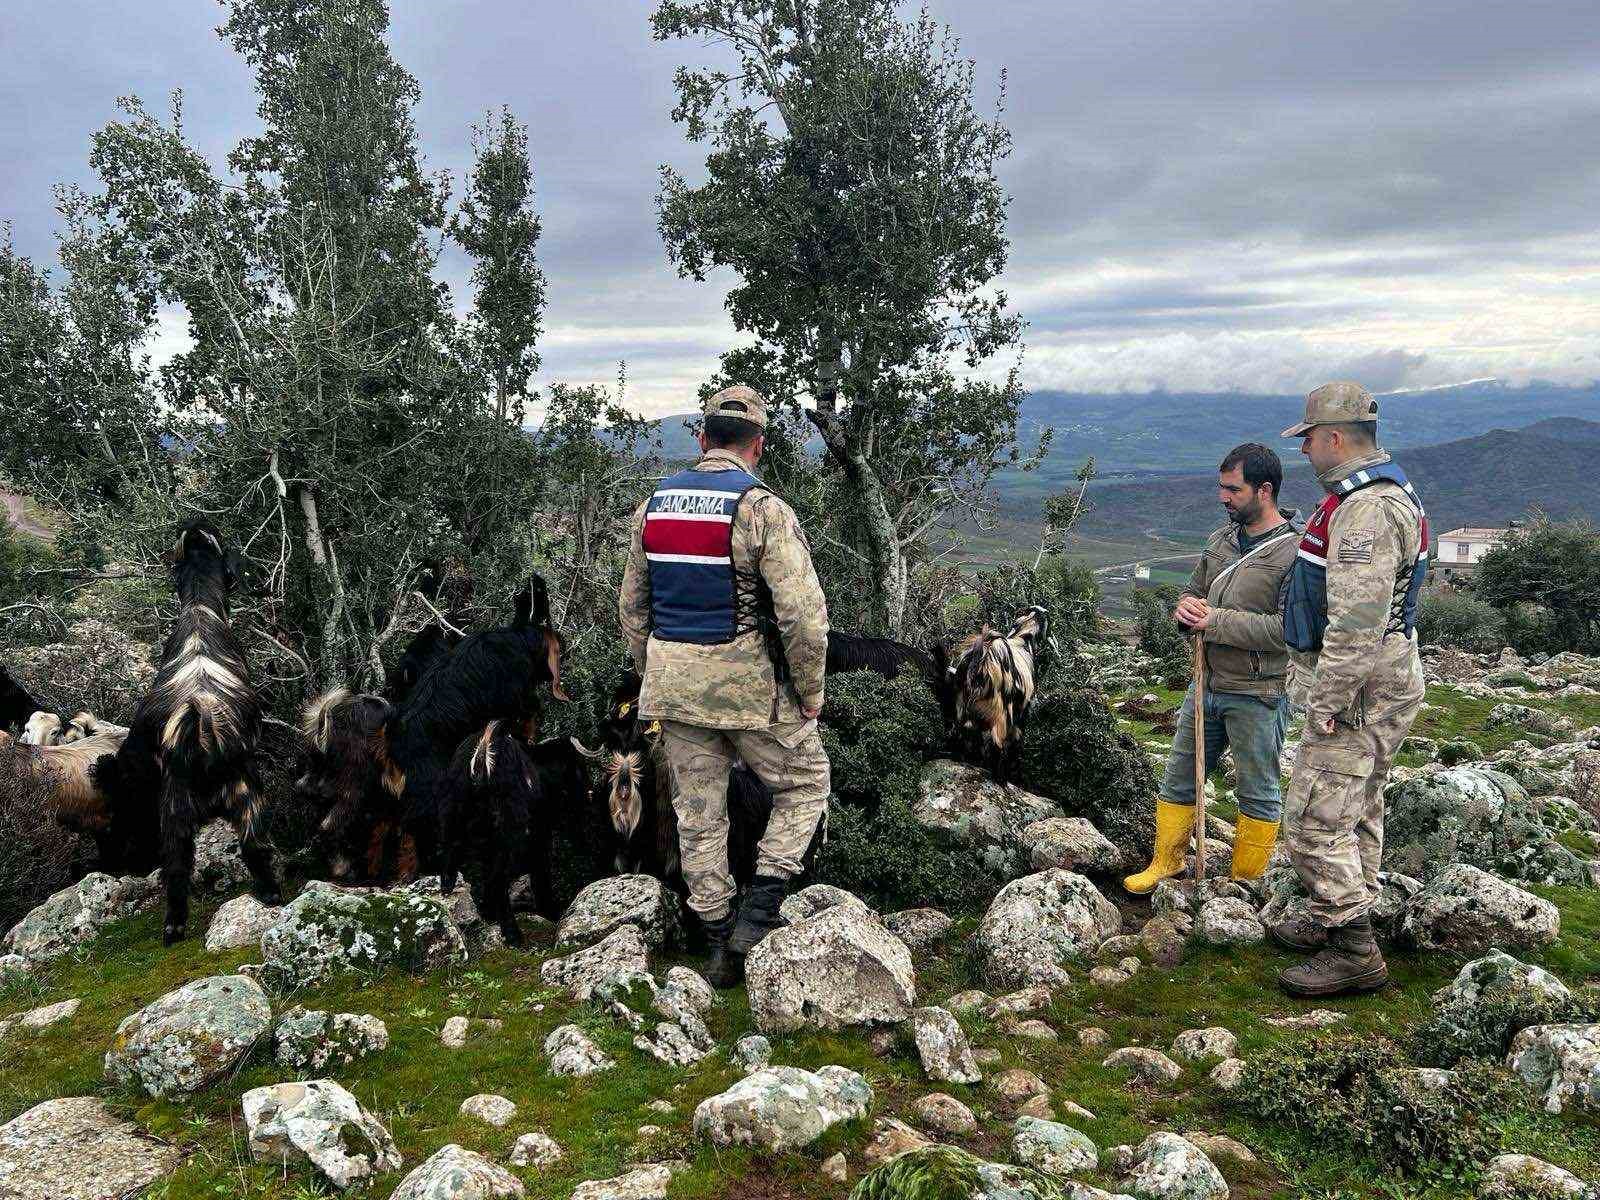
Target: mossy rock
(948, 1173)
(328, 931)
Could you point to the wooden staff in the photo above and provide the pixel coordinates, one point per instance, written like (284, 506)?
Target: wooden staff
(1199, 767)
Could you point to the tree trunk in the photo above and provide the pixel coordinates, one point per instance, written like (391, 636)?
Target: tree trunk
(886, 564)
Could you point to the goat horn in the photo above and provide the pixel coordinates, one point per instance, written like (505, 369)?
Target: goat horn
(591, 755)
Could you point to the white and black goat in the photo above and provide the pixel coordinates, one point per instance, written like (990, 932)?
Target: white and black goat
(993, 684)
(42, 729)
(193, 740)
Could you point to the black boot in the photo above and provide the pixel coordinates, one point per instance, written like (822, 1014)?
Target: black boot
(758, 914)
(1350, 962)
(724, 969)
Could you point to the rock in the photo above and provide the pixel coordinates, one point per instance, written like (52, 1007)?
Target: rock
(986, 1056)
(321, 1123)
(310, 1041)
(1072, 844)
(688, 987)
(944, 1114)
(1216, 1145)
(891, 1139)
(240, 922)
(1192, 1045)
(42, 1018)
(782, 1108)
(1023, 1000)
(819, 897)
(1150, 1065)
(572, 1053)
(75, 1149)
(614, 962)
(1395, 893)
(487, 1107)
(838, 968)
(1533, 720)
(458, 1031)
(751, 1053)
(1490, 997)
(1055, 1149)
(664, 1107)
(1074, 1109)
(327, 931)
(1176, 895)
(1038, 1030)
(1017, 1085)
(1227, 1074)
(1103, 976)
(77, 914)
(1468, 910)
(964, 807)
(943, 1046)
(1038, 1107)
(643, 1183)
(1168, 1167)
(1317, 1018)
(1514, 1176)
(189, 1037)
(835, 1168)
(1226, 921)
(965, 1001)
(950, 1173)
(1092, 1037)
(1561, 1063)
(1164, 937)
(1039, 925)
(218, 866)
(456, 1174)
(675, 1045)
(536, 1150)
(608, 904)
(919, 928)
(1118, 945)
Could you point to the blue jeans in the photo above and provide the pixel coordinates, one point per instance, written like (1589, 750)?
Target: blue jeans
(1254, 728)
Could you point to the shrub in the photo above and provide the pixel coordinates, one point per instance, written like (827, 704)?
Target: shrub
(888, 858)
(1159, 635)
(36, 853)
(877, 732)
(1462, 620)
(1459, 750)
(1484, 1028)
(1545, 577)
(1353, 1091)
(947, 1173)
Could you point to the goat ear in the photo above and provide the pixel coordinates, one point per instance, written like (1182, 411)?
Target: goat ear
(233, 568)
(175, 555)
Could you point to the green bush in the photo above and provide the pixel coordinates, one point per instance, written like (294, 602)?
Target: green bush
(1545, 576)
(1484, 1029)
(1462, 620)
(948, 1173)
(890, 860)
(877, 732)
(1159, 635)
(1459, 750)
(1354, 1091)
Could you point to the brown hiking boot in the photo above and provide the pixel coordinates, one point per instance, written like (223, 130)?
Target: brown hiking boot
(1351, 962)
(1299, 931)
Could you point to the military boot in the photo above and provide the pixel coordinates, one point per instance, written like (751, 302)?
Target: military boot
(1299, 931)
(724, 969)
(758, 913)
(1350, 962)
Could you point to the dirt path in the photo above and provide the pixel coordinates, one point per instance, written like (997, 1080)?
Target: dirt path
(17, 510)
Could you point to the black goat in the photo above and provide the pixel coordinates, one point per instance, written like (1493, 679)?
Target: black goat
(194, 734)
(431, 645)
(485, 814)
(993, 679)
(359, 834)
(16, 705)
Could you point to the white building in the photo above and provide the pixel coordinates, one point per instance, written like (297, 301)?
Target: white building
(1462, 549)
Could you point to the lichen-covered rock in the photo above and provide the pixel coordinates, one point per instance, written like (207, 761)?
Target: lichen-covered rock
(536, 1150)
(320, 1123)
(456, 1174)
(677, 1044)
(608, 904)
(458, 1031)
(1169, 1167)
(964, 807)
(1489, 999)
(919, 928)
(1040, 925)
(943, 1113)
(685, 987)
(1561, 1063)
(43, 1017)
(949, 1173)
(189, 1037)
(751, 1053)
(890, 1139)
(816, 898)
(1468, 910)
(77, 914)
(782, 1108)
(838, 968)
(1533, 720)
(572, 1053)
(327, 931)
(1518, 1176)
(1226, 921)
(1227, 1074)
(1017, 1085)
(643, 1183)
(946, 1054)
(1192, 1045)
(1072, 844)
(240, 922)
(490, 1109)
(1053, 1148)
(310, 1041)
(75, 1149)
(1150, 1065)
(613, 963)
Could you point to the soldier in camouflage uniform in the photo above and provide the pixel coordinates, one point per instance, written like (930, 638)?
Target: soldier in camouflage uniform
(728, 626)
(1349, 620)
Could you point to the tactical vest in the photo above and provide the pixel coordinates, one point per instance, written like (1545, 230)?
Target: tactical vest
(696, 594)
(1305, 599)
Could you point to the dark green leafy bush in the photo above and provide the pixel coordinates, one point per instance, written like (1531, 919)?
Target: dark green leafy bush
(1159, 635)
(1484, 1029)
(877, 732)
(1462, 620)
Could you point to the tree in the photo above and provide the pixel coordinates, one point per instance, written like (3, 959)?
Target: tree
(851, 186)
(1554, 567)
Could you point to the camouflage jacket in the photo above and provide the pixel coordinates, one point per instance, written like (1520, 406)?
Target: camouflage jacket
(1363, 672)
(734, 685)
(1245, 654)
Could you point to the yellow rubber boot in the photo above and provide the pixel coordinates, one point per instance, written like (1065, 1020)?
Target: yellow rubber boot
(1253, 841)
(1173, 823)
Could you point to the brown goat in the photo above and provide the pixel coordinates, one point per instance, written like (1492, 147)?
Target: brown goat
(994, 686)
(67, 779)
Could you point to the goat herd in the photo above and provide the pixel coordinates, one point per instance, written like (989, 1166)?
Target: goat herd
(445, 773)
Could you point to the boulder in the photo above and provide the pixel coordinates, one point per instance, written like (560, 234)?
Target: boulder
(613, 963)
(189, 1037)
(490, 1109)
(1055, 1149)
(950, 1173)
(919, 928)
(1226, 921)
(943, 1046)
(77, 914)
(240, 922)
(456, 1174)
(684, 987)
(1227, 1074)
(1526, 718)
(1474, 1015)
(327, 931)
(1169, 1167)
(1072, 844)
(43, 1017)
(1217, 1145)
(536, 1150)
(1017, 1085)
(310, 1041)
(1470, 911)
(819, 897)
(890, 1139)
(964, 807)
(572, 1053)
(1561, 1063)
(320, 1123)
(1040, 925)
(1515, 1176)
(751, 1053)
(944, 1114)
(677, 1044)
(1143, 1063)
(218, 866)
(642, 1183)
(76, 1149)
(782, 1108)
(608, 904)
(1192, 1045)
(1164, 937)
(458, 1031)
(838, 968)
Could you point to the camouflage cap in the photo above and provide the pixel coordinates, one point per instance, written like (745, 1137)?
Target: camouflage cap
(1335, 404)
(739, 401)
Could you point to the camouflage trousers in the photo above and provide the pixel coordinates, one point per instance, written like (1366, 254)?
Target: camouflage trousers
(1334, 812)
(789, 759)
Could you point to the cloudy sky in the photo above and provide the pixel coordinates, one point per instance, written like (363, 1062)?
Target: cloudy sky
(1213, 194)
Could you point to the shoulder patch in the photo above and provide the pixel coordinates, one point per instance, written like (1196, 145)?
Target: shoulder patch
(1356, 546)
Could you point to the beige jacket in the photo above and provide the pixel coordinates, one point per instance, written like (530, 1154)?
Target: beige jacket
(1245, 652)
(734, 685)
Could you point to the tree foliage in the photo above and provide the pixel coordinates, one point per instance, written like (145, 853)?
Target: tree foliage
(1546, 577)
